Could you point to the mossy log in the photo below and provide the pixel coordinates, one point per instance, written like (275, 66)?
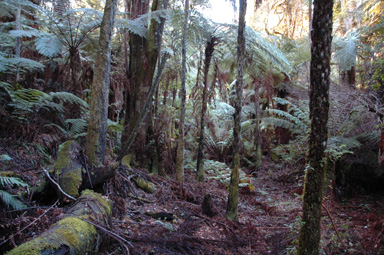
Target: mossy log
(72, 175)
(72, 234)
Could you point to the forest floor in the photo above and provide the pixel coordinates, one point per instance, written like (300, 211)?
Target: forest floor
(171, 221)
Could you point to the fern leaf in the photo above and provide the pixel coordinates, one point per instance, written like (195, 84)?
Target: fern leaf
(11, 201)
(25, 33)
(49, 46)
(66, 97)
(78, 126)
(4, 181)
(24, 64)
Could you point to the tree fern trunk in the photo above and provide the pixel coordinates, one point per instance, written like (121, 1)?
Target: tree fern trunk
(309, 239)
(97, 127)
(144, 52)
(233, 196)
(180, 144)
(209, 49)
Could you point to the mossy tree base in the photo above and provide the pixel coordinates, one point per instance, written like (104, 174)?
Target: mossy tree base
(71, 235)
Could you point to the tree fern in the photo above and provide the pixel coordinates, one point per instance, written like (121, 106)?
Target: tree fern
(346, 50)
(296, 119)
(49, 46)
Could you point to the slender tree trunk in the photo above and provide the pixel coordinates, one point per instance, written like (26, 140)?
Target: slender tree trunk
(309, 239)
(97, 127)
(200, 153)
(257, 125)
(180, 145)
(18, 41)
(233, 196)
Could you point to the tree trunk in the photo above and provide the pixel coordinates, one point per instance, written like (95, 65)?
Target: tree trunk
(257, 125)
(233, 196)
(71, 235)
(348, 77)
(144, 53)
(209, 49)
(180, 144)
(309, 239)
(97, 127)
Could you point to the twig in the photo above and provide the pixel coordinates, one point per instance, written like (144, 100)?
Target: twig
(30, 224)
(57, 185)
(113, 234)
(334, 226)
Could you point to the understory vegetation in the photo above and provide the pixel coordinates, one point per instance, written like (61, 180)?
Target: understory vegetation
(48, 54)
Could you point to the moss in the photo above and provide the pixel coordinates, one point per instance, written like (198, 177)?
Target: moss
(103, 201)
(126, 160)
(71, 180)
(8, 174)
(144, 185)
(68, 169)
(70, 231)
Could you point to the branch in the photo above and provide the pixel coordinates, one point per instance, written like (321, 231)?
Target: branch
(334, 226)
(57, 185)
(30, 224)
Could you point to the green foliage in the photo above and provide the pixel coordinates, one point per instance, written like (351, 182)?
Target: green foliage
(296, 119)
(7, 198)
(346, 50)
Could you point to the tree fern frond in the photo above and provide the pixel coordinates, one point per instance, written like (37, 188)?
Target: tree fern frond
(350, 143)
(77, 127)
(25, 65)
(346, 50)
(25, 33)
(49, 46)
(291, 118)
(66, 97)
(276, 122)
(6, 10)
(11, 201)
(137, 26)
(224, 110)
(28, 95)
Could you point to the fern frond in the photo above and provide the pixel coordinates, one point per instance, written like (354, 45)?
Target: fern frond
(24, 64)
(5, 181)
(66, 97)
(276, 122)
(77, 127)
(49, 46)
(11, 201)
(346, 50)
(350, 143)
(25, 33)
(291, 118)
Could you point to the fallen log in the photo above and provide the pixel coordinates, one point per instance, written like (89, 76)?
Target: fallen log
(73, 234)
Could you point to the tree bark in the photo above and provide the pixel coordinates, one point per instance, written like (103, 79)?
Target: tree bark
(233, 196)
(209, 49)
(180, 143)
(257, 125)
(97, 126)
(144, 54)
(309, 239)
(72, 234)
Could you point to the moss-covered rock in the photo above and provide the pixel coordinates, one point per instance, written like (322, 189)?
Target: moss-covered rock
(68, 169)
